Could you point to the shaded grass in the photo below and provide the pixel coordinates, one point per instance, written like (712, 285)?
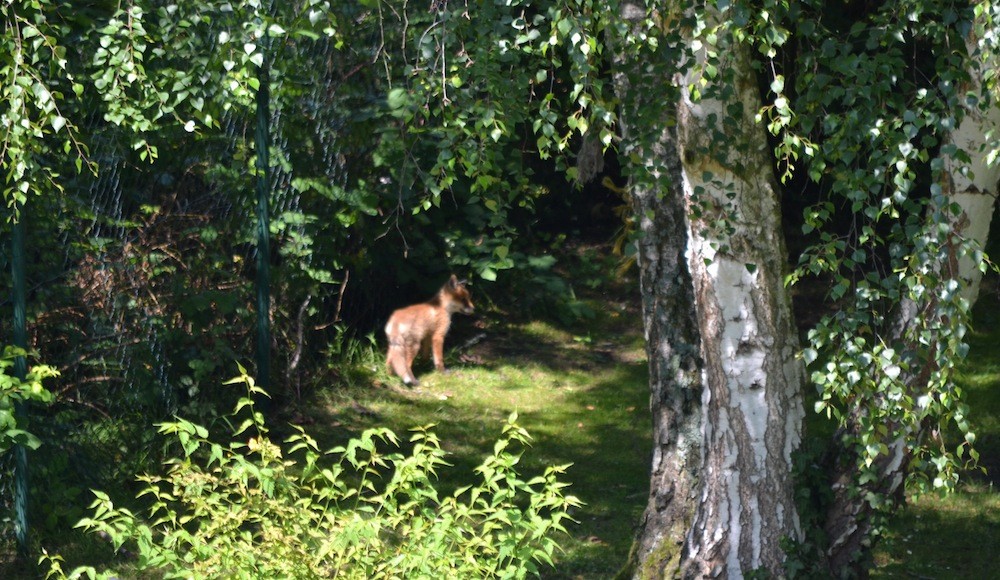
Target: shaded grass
(582, 393)
(944, 537)
(584, 400)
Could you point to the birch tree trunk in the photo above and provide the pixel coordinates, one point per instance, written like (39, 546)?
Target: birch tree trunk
(752, 401)
(725, 384)
(674, 377)
(974, 186)
(670, 327)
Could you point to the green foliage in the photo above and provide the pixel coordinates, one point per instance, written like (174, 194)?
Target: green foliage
(253, 509)
(429, 154)
(805, 557)
(169, 74)
(881, 169)
(877, 161)
(542, 285)
(14, 390)
(930, 537)
(377, 158)
(354, 362)
(351, 351)
(33, 77)
(474, 97)
(58, 500)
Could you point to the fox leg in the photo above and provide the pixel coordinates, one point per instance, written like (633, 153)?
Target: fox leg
(437, 346)
(410, 353)
(400, 361)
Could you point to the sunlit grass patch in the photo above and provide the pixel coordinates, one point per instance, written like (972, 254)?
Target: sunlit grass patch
(581, 393)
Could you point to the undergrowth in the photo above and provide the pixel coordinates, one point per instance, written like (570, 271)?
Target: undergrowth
(253, 508)
(580, 388)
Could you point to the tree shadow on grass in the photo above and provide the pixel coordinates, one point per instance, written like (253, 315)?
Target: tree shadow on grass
(979, 375)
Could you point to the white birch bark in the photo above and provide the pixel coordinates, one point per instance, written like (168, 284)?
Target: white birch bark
(974, 186)
(752, 401)
(735, 401)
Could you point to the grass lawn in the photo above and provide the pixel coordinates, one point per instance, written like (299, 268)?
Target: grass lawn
(944, 537)
(582, 394)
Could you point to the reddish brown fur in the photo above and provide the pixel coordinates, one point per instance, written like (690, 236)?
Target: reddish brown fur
(422, 327)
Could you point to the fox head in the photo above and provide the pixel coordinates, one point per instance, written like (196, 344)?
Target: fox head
(455, 296)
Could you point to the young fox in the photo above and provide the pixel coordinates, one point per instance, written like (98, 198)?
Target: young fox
(422, 327)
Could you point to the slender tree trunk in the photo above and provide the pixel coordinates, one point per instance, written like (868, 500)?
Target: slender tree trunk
(752, 403)
(725, 383)
(975, 191)
(849, 520)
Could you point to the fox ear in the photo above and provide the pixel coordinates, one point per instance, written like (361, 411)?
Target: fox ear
(454, 282)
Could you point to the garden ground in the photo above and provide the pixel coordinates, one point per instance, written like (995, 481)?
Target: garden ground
(581, 391)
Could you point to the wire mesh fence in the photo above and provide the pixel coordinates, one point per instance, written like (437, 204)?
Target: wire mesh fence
(141, 278)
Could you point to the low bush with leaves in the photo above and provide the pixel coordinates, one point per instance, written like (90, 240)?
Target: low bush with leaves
(14, 390)
(256, 509)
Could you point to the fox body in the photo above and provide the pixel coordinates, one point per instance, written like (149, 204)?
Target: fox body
(422, 327)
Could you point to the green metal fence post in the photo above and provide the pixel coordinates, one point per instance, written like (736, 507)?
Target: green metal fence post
(262, 144)
(19, 299)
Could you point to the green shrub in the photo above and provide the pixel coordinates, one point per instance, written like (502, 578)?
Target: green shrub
(14, 390)
(254, 509)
